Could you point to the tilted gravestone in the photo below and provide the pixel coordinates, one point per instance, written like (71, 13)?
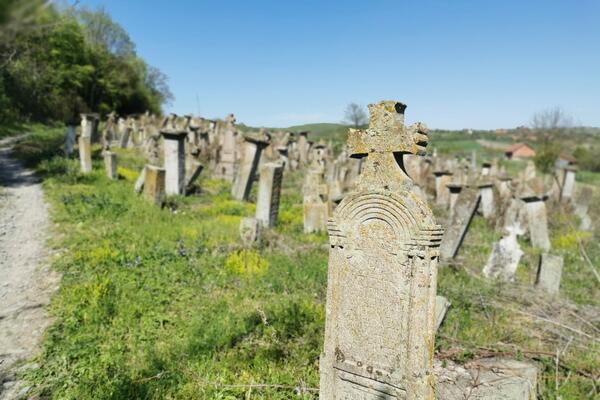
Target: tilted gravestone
(249, 231)
(252, 148)
(154, 184)
(269, 191)
(384, 250)
(486, 191)
(174, 153)
(441, 309)
(549, 273)
(464, 210)
(581, 206)
(568, 184)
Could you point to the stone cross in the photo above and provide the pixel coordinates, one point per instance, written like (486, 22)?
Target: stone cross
(381, 288)
(174, 151)
(250, 158)
(269, 190)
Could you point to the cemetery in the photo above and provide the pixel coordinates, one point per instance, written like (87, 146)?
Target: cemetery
(197, 257)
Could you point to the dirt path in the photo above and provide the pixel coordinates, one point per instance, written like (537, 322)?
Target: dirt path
(26, 282)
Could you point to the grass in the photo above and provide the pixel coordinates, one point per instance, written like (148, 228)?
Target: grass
(164, 303)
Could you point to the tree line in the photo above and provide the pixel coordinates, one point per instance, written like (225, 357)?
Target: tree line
(59, 61)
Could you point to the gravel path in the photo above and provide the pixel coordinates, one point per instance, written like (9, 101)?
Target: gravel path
(26, 282)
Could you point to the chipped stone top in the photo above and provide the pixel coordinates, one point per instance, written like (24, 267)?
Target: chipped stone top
(173, 134)
(387, 133)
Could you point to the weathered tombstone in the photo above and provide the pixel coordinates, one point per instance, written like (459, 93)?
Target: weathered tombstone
(89, 126)
(315, 203)
(486, 168)
(251, 151)
(473, 159)
(380, 312)
(110, 164)
(464, 210)
(269, 190)
(249, 231)
(486, 191)
(441, 309)
(442, 193)
(504, 258)
(228, 150)
(454, 189)
(85, 153)
(549, 273)
(581, 206)
(303, 148)
(70, 140)
(537, 220)
(486, 379)
(174, 153)
(568, 184)
(193, 172)
(154, 184)
(504, 188)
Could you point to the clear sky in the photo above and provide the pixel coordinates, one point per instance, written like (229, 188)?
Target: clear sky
(457, 64)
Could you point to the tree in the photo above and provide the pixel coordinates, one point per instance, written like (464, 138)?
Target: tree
(548, 124)
(355, 115)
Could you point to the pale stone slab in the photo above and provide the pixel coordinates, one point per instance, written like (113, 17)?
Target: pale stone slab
(85, 154)
(154, 184)
(250, 158)
(441, 309)
(382, 273)
(537, 221)
(549, 273)
(316, 204)
(464, 210)
(568, 185)
(174, 154)
(487, 379)
(269, 191)
(249, 231)
(488, 206)
(110, 164)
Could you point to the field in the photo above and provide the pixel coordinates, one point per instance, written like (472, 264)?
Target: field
(165, 303)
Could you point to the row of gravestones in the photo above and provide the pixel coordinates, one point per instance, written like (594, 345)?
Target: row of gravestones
(382, 310)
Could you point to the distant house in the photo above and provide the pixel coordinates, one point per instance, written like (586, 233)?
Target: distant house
(519, 150)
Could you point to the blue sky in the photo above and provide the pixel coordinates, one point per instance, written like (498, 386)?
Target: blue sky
(457, 64)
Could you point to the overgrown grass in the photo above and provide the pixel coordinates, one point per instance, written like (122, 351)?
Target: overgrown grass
(164, 303)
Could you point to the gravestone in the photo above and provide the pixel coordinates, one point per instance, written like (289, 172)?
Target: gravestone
(486, 191)
(250, 157)
(70, 140)
(89, 126)
(110, 164)
(249, 231)
(228, 150)
(504, 186)
(486, 168)
(504, 258)
(303, 147)
(441, 309)
(316, 202)
(154, 184)
(534, 196)
(568, 184)
(486, 379)
(269, 191)
(85, 154)
(581, 206)
(454, 189)
(174, 162)
(384, 242)
(192, 173)
(442, 193)
(464, 210)
(549, 273)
